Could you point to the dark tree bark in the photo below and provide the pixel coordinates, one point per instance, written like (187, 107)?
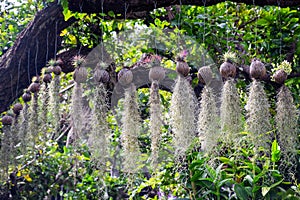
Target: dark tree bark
(34, 46)
(37, 43)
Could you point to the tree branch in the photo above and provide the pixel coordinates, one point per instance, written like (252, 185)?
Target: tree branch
(33, 48)
(137, 6)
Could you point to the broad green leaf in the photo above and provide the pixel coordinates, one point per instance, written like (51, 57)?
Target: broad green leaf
(111, 14)
(63, 32)
(275, 151)
(240, 191)
(67, 14)
(265, 190)
(224, 160)
(72, 39)
(120, 25)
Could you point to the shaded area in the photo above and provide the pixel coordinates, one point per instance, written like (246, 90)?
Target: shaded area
(34, 46)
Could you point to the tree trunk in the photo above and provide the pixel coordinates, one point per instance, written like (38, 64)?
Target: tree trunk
(34, 46)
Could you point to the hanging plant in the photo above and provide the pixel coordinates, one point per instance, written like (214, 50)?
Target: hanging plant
(33, 117)
(24, 118)
(54, 99)
(156, 72)
(26, 96)
(288, 132)
(281, 72)
(131, 126)
(100, 74)
(17, 108)
(125, 77)
(7, 156)
(156, 75)
(7, 120)
(258, 116)
(280, 76)
(257, 69)
(44, 96)
(228, 68)
(35, 86)
(205, 75)
(208, 120)
(56, 68)
(230, 112)
(97, 142)
(155, 122)
(47, 77)
(182, 68)
(80, 73)
(77, 113)
(183, 111)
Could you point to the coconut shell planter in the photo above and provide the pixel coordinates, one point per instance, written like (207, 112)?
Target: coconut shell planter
(125, 77)
(228, 70)
(17, 108)
(182, 68)
(205, 75)
(34, 87)
(57, 70)
(157, 73)
(7, 120)
(257, 69)
(47, 78)
(101, 76)
(80, 75)
(26, 96)
(280, 76)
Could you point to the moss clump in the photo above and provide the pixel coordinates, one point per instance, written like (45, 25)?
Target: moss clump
(208, 121)
(130, 130)
(230, 112)
(77, 115)
(258, 116)
(97, 141)
(155, 122)
(183, 111)
(288, 130)
(54, 106)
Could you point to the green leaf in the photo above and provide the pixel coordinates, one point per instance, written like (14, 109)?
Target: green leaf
(249, 179)
(262, 22)
(240, 191)
(276, 184)
(157, 22)
(219, 169)
(205, 182)
(120, 25)
(72, 39)
(211, 172)
(196, 176)
(224, 160)
(275, 151)
(67, 14)
(111, 14)
(221, 183)
(10, 27)
(265, 190)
